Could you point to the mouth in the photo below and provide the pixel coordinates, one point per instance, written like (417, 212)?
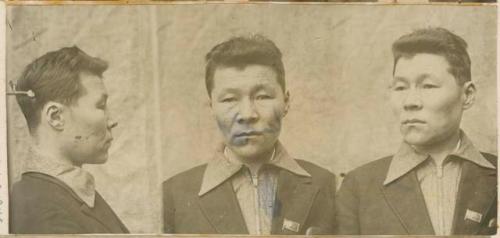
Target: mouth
(107, 144)
(248, 134)
(413, 122)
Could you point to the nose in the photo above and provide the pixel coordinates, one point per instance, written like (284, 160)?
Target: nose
(112, 124)
(412, 101)
(247, 112)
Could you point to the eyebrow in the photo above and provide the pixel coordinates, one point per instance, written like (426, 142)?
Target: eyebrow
(419, 78)
(423, 76)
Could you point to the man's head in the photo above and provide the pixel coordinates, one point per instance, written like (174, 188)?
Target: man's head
(246, 85)
(431, 85)
(69, 106)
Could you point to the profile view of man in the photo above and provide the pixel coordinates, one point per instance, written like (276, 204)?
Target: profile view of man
(437, 183)
(63, 98)
(251, 185)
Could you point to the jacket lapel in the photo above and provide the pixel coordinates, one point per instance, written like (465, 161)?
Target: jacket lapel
(477, 193)
(407, 202)
(86, 210)
(294, 199)
(220, 207)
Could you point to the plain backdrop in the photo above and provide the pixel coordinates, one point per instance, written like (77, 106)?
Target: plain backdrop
(337, 61)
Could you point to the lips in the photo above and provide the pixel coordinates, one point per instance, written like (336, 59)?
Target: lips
(249, 134)
(413, 121)
(107, 144)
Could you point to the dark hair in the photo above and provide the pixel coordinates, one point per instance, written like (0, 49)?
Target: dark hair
(55, 77)
(437, 41)
(241, 52)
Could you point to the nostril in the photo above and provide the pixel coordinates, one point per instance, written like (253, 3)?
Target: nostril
(113, 125)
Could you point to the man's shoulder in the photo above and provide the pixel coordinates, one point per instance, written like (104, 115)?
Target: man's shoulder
(191, 178)
(37, 191)
(491, 158)
(374, 171)
(36, 185)
(313, 169)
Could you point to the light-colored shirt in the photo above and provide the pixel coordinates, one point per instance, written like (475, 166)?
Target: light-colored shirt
(80, 181)
(256, 195)
(439, 183)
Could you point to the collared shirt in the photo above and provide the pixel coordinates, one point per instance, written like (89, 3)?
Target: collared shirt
(439, 183)
(79, 180)
(256, 195)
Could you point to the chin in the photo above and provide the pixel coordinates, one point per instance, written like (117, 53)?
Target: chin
(417, 139)
(249, 151)
(98, 159)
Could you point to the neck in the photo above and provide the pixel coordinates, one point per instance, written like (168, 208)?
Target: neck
(253, 163)
(49, 151)
(440, 150)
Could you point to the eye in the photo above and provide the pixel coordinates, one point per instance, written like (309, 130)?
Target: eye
(429, 86)
(228, 99)
(398, 88)
(101, 106)
(263, 97)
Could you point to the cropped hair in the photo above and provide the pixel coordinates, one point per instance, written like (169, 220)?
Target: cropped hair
(242, 51)
(437, 41)
(55, 77)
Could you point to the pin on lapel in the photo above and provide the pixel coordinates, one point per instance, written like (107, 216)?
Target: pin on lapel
(492, 223)
(291, 225)
(473, 216)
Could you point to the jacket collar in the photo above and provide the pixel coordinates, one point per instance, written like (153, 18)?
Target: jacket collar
(80, 181)
(221, 168)
(407, 158)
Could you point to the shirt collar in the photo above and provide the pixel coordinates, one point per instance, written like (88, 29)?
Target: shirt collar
(79, 180)
(407, 158)
(221, 168)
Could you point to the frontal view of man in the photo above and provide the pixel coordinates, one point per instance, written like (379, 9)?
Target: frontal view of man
(251, 185)
(437, 183)
(63, 99)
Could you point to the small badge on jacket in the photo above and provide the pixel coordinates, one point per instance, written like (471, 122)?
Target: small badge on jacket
(473, 216)
(492, 223)
(291, 225)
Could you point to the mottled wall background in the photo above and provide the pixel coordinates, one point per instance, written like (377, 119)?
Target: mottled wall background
(337, 61)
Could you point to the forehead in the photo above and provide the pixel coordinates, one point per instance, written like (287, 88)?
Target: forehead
(92, 85)
(420, 64)
(245, 77)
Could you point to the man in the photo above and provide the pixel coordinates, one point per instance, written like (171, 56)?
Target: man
(438, 182)
(63, 99)
(251, 185)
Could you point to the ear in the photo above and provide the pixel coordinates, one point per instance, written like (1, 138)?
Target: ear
(287, 103)
(53, 114)
(469, 90)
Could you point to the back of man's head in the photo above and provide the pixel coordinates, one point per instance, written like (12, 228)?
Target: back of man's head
(55, 77)
(243, 51)
(437, 41)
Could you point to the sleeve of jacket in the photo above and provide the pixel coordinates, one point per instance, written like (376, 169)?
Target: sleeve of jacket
(48, 219)
(347, 203)
(168, 209)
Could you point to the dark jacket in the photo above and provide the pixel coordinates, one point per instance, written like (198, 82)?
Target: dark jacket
(42, 204)
(367, 207)
(308, 201)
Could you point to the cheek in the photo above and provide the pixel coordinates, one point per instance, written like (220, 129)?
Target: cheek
(396, 103)
(90, 126)
(445, 109)
(225, 118)
(272, 116)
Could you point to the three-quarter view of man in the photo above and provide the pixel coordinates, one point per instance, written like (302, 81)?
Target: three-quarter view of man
(438, 182)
